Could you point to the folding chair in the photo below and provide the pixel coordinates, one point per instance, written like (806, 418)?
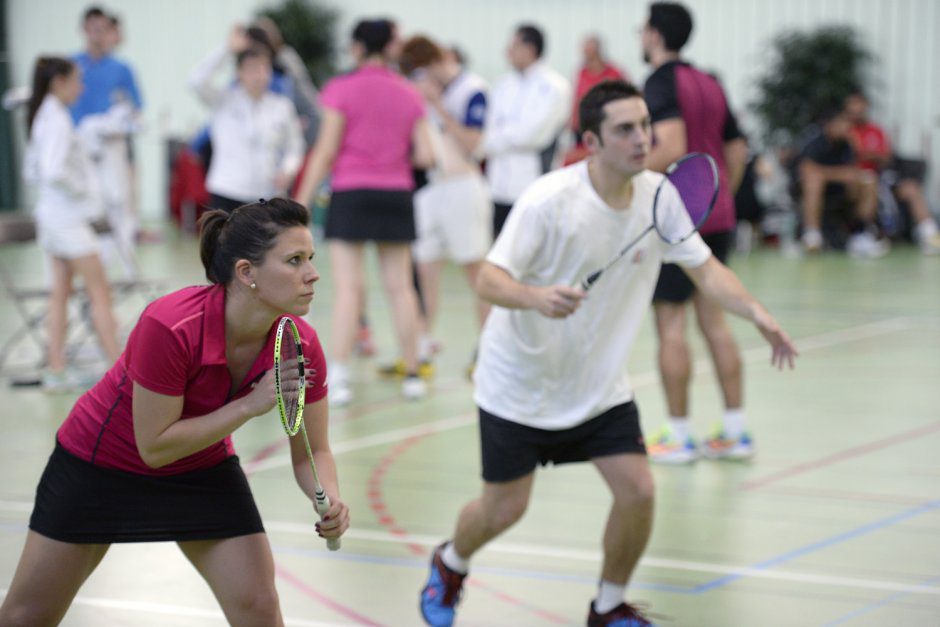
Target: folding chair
(30, 302)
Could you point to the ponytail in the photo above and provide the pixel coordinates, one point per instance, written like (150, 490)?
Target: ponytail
(210, 231)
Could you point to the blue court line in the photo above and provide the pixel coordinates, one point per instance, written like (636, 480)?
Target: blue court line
(888, 600)
(822, 544)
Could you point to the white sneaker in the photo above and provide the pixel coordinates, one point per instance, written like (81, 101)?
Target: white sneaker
(866, 246)
(812, 241)
(413, 388)
(930, 245)
(340, 394)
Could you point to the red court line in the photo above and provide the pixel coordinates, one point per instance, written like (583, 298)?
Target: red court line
(856, 451)
(337, 607)
(377, 503)
(845, 495)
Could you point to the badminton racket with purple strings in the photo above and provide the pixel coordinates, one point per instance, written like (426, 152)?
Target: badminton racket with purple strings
(695, 179)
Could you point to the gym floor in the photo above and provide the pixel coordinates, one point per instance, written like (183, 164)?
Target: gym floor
(835, 522)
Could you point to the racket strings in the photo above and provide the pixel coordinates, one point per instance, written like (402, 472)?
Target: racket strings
(695, 180)
(291, 383)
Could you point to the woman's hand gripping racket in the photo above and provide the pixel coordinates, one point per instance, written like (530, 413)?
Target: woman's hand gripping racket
(289, 388)
(695, 178)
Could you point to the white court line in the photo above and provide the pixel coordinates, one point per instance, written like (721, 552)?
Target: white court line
(649, 562)
(701, 366)
(146, 607)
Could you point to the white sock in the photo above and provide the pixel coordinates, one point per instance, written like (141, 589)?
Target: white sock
(680, 427)
(925, 229)
(453, 561)
(425, 345)
(609, 596)
(733, 423)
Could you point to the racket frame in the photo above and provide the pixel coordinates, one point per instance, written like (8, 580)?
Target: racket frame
(321, 501)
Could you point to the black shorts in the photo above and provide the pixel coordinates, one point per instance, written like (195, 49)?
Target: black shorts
(371, 215)
(500, 215)
(226, 204)
(675, 286)
(81, 503)
(512, 450)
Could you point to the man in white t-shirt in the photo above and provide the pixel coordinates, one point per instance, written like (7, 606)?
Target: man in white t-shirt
(551, 381)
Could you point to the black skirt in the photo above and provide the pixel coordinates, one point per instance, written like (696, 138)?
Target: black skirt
(81, 503)
(376, 215)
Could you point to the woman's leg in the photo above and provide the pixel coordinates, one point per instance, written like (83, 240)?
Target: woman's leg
(346, 261)
(429, 273)
(395, 262)
(57, 314)
(99, 294)
(240, 572)
(47, 578)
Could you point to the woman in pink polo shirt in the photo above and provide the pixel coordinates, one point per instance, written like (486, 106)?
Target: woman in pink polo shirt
(373, 130)
(146, 455)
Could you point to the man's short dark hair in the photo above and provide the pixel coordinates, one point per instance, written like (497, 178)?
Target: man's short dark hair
(530, 34)
(591, 108)
(93, 12)
(673, 21)
(374, 35)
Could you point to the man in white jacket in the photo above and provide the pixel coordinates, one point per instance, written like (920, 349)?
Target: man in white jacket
(528, 110)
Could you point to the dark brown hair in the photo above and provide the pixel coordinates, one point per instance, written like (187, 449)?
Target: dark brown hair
(591, 108)
(248, 232)
(47, 68)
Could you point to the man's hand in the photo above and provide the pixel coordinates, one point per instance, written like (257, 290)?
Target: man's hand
(238, 39)
(784, 353)
(557, 301)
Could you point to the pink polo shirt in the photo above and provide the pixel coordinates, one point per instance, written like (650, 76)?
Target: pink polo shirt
(380, 109)
(177, 348)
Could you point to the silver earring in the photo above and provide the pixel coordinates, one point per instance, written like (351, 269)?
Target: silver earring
(254, 285)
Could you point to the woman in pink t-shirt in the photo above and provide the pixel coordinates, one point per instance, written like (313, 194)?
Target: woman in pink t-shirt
(146, 455)
(373, 130)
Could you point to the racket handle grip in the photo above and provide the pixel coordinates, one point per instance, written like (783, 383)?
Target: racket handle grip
(321, 503)
(586, 283)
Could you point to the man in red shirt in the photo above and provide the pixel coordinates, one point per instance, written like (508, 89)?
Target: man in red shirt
(873, 149)
(594, 70)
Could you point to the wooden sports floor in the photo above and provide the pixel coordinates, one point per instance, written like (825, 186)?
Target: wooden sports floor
(835, 522)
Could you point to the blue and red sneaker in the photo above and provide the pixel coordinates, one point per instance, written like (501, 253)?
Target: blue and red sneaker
(441, 594)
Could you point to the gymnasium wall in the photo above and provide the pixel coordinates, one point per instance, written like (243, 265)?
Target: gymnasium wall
(165, 38)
